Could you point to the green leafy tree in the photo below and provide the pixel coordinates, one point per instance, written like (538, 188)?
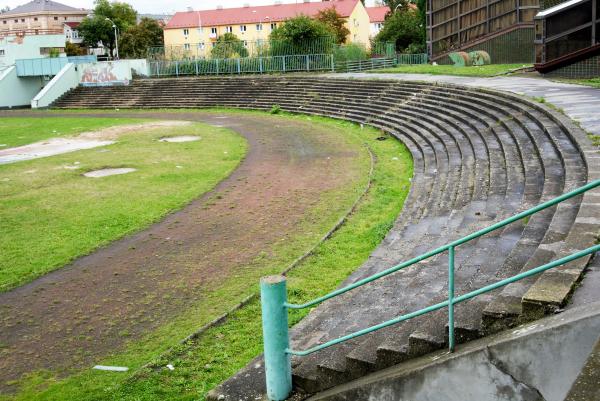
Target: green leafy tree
(97, 28)
(74, 50)
(229, 46)
(405, 29)
(301, 35)
(335, 22)
(136, 40)
(397, 5)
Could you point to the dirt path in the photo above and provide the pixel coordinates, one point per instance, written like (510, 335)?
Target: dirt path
(73, 316)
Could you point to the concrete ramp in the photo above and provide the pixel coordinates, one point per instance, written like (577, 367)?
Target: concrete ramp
(537, 361)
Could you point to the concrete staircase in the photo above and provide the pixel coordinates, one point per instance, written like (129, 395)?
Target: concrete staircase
(479, 156)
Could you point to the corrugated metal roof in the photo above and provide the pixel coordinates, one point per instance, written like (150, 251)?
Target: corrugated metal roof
(249, 15)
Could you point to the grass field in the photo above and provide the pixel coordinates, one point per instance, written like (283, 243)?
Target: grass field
(21, 131)
(46, 204)
(475, 71)
(219, 352)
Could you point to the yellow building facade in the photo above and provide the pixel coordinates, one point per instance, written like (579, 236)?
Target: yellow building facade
(194, 33)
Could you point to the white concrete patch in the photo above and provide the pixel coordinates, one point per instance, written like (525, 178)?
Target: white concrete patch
(111, 368)
(109, 171)
(86, 140)
(51, 147)
(182, 138)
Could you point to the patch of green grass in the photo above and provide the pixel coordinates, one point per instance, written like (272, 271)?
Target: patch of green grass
(18, 131)
(592, 82)
(203, 363)
(46, 204)
(474, 71)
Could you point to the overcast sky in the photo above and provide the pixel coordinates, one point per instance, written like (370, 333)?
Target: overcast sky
(162, 6)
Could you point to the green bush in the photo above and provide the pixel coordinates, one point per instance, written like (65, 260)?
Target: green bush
(350, 52)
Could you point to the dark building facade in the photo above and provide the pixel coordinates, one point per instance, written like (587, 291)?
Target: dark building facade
(503, 28)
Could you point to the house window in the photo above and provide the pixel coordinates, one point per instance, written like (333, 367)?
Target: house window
(242, 28)
(259, 27)
(355, 22)
(1, 52)
(201, 46)
(186, 46)
(229, 29)
(16, 20)
(55, 18)
(186, 32)
(214, 44)
(273, 25)
(245, 43)
(4, 22)
(75, 35)
(22, 19)
(213, 31)
(65, 18)
(35, 18)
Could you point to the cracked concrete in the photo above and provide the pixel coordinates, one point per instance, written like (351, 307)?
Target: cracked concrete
(516, 389)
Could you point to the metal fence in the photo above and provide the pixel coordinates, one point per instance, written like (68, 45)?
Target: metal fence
(241, 48)
(277, 64)
(41, 66)
(420, 58)
(249, 65)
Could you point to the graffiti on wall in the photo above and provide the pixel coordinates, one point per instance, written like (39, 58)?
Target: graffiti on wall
(105, 74)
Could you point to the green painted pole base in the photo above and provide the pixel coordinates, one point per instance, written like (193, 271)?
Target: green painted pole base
(278, 369)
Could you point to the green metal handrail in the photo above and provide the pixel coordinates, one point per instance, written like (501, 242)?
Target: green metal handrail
(275, 307)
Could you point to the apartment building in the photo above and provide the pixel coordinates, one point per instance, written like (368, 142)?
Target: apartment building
(39, 17)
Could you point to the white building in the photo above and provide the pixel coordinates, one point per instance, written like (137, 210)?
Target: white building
(376, 19)
(71, 32)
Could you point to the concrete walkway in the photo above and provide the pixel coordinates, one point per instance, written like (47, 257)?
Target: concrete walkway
(579, 102)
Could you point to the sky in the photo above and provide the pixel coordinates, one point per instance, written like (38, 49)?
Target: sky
(162, 6)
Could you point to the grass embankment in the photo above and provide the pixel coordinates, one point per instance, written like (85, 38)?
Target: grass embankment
(51, 214)
(15, 131)
(474, 71)
(201, 364)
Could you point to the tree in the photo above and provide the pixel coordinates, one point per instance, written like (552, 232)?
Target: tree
(136, 40)
(301, 35)
(404, 28)
(229, 46)
(335, 22)
(397, 5)
(97, 28)
(74, 50)
(4, 9)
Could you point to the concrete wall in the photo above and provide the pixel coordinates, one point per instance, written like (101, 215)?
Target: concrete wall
(535, 362)
(28, 47)
(15, 91)
(64, 81)
(107, 73)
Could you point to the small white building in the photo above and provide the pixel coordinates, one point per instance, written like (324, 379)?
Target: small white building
(71, 32)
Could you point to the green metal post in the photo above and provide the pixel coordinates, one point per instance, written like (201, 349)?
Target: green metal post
(278, 369)
(451, 298)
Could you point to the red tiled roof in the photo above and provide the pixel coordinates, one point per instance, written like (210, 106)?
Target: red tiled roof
(377, 14)
(249, 15)
(72, 25)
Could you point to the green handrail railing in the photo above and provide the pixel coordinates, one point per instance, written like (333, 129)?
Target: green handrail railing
(275, 306)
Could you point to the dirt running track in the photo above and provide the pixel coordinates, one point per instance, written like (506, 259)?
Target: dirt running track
(75, 315)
